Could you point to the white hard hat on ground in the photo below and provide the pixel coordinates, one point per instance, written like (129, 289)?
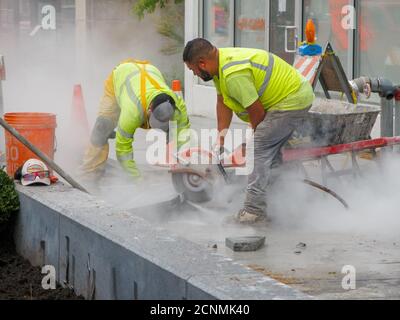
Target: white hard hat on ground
(35, 171)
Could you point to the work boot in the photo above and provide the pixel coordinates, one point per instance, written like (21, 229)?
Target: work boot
(246, 217)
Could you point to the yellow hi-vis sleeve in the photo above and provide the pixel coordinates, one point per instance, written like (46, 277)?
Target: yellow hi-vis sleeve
(183, 123)
(123, 145)
(183, 132)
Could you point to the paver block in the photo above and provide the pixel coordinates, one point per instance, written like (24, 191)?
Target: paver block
(252, 243)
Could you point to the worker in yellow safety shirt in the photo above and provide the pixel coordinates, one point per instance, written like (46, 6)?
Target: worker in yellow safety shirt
(135, 96)
(260, 88)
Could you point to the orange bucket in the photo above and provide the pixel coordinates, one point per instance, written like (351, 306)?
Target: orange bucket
(37, 128)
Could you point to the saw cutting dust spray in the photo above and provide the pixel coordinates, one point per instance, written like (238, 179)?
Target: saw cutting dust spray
(373, 199)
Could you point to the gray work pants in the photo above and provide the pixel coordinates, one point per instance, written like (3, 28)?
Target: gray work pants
(270, 136)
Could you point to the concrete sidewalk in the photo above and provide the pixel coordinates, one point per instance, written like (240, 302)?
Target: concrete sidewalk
(315, 269)
(333, 237)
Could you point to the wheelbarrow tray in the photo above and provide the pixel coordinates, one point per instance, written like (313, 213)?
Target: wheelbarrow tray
(333, 122)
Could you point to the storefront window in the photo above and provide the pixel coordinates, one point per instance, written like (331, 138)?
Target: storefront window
(68, 11)
(327, 16)
(378, 42)
(218, 22)
(250, 29)
(218, 25)
(7, 13)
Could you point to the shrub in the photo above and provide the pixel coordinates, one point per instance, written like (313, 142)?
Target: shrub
(9, 201)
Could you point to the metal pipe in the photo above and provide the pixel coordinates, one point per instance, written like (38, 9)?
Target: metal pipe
(41, 155)
(382, 86)
(397, 120)
(387, 128)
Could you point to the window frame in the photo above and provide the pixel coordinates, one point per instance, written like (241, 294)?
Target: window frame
(353, 60)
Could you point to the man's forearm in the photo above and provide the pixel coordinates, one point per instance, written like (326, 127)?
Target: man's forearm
(256, 114)
(224, 118)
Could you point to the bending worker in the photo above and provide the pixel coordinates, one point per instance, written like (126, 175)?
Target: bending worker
(136, 96)
(260, 88)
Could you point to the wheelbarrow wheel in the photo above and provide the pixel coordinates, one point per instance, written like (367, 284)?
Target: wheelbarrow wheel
(193, 187)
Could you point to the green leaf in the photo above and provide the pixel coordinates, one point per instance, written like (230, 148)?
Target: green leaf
(9, 201)
(171, 25)
(149, 6)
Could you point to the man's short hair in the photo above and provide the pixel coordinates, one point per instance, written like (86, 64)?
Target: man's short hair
(196, 49)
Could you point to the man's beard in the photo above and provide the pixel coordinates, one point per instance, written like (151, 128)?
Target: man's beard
(205, 76)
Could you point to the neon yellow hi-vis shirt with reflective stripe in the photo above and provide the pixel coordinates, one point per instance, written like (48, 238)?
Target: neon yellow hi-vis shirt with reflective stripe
(275, 81)
(127, 88)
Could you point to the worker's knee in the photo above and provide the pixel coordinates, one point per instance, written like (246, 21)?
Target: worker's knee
(102, 131)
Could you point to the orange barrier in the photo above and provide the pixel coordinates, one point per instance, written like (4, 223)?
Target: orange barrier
(78, 115)
(37, 128)
(177, 87)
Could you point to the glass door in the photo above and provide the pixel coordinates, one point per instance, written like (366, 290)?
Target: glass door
(284, 28)
(250, 24)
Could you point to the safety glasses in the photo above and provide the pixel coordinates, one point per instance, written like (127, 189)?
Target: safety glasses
(32, 176)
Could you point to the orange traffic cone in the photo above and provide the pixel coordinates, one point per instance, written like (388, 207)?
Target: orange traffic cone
(79, 119)
(177, 88)
(79, 134)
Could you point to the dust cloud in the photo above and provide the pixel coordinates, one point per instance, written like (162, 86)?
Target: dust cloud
(42, 71)
(42, 68)
(373, 205)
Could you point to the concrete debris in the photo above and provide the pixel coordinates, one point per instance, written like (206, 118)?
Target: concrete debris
(301, 245)
(242, 244)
